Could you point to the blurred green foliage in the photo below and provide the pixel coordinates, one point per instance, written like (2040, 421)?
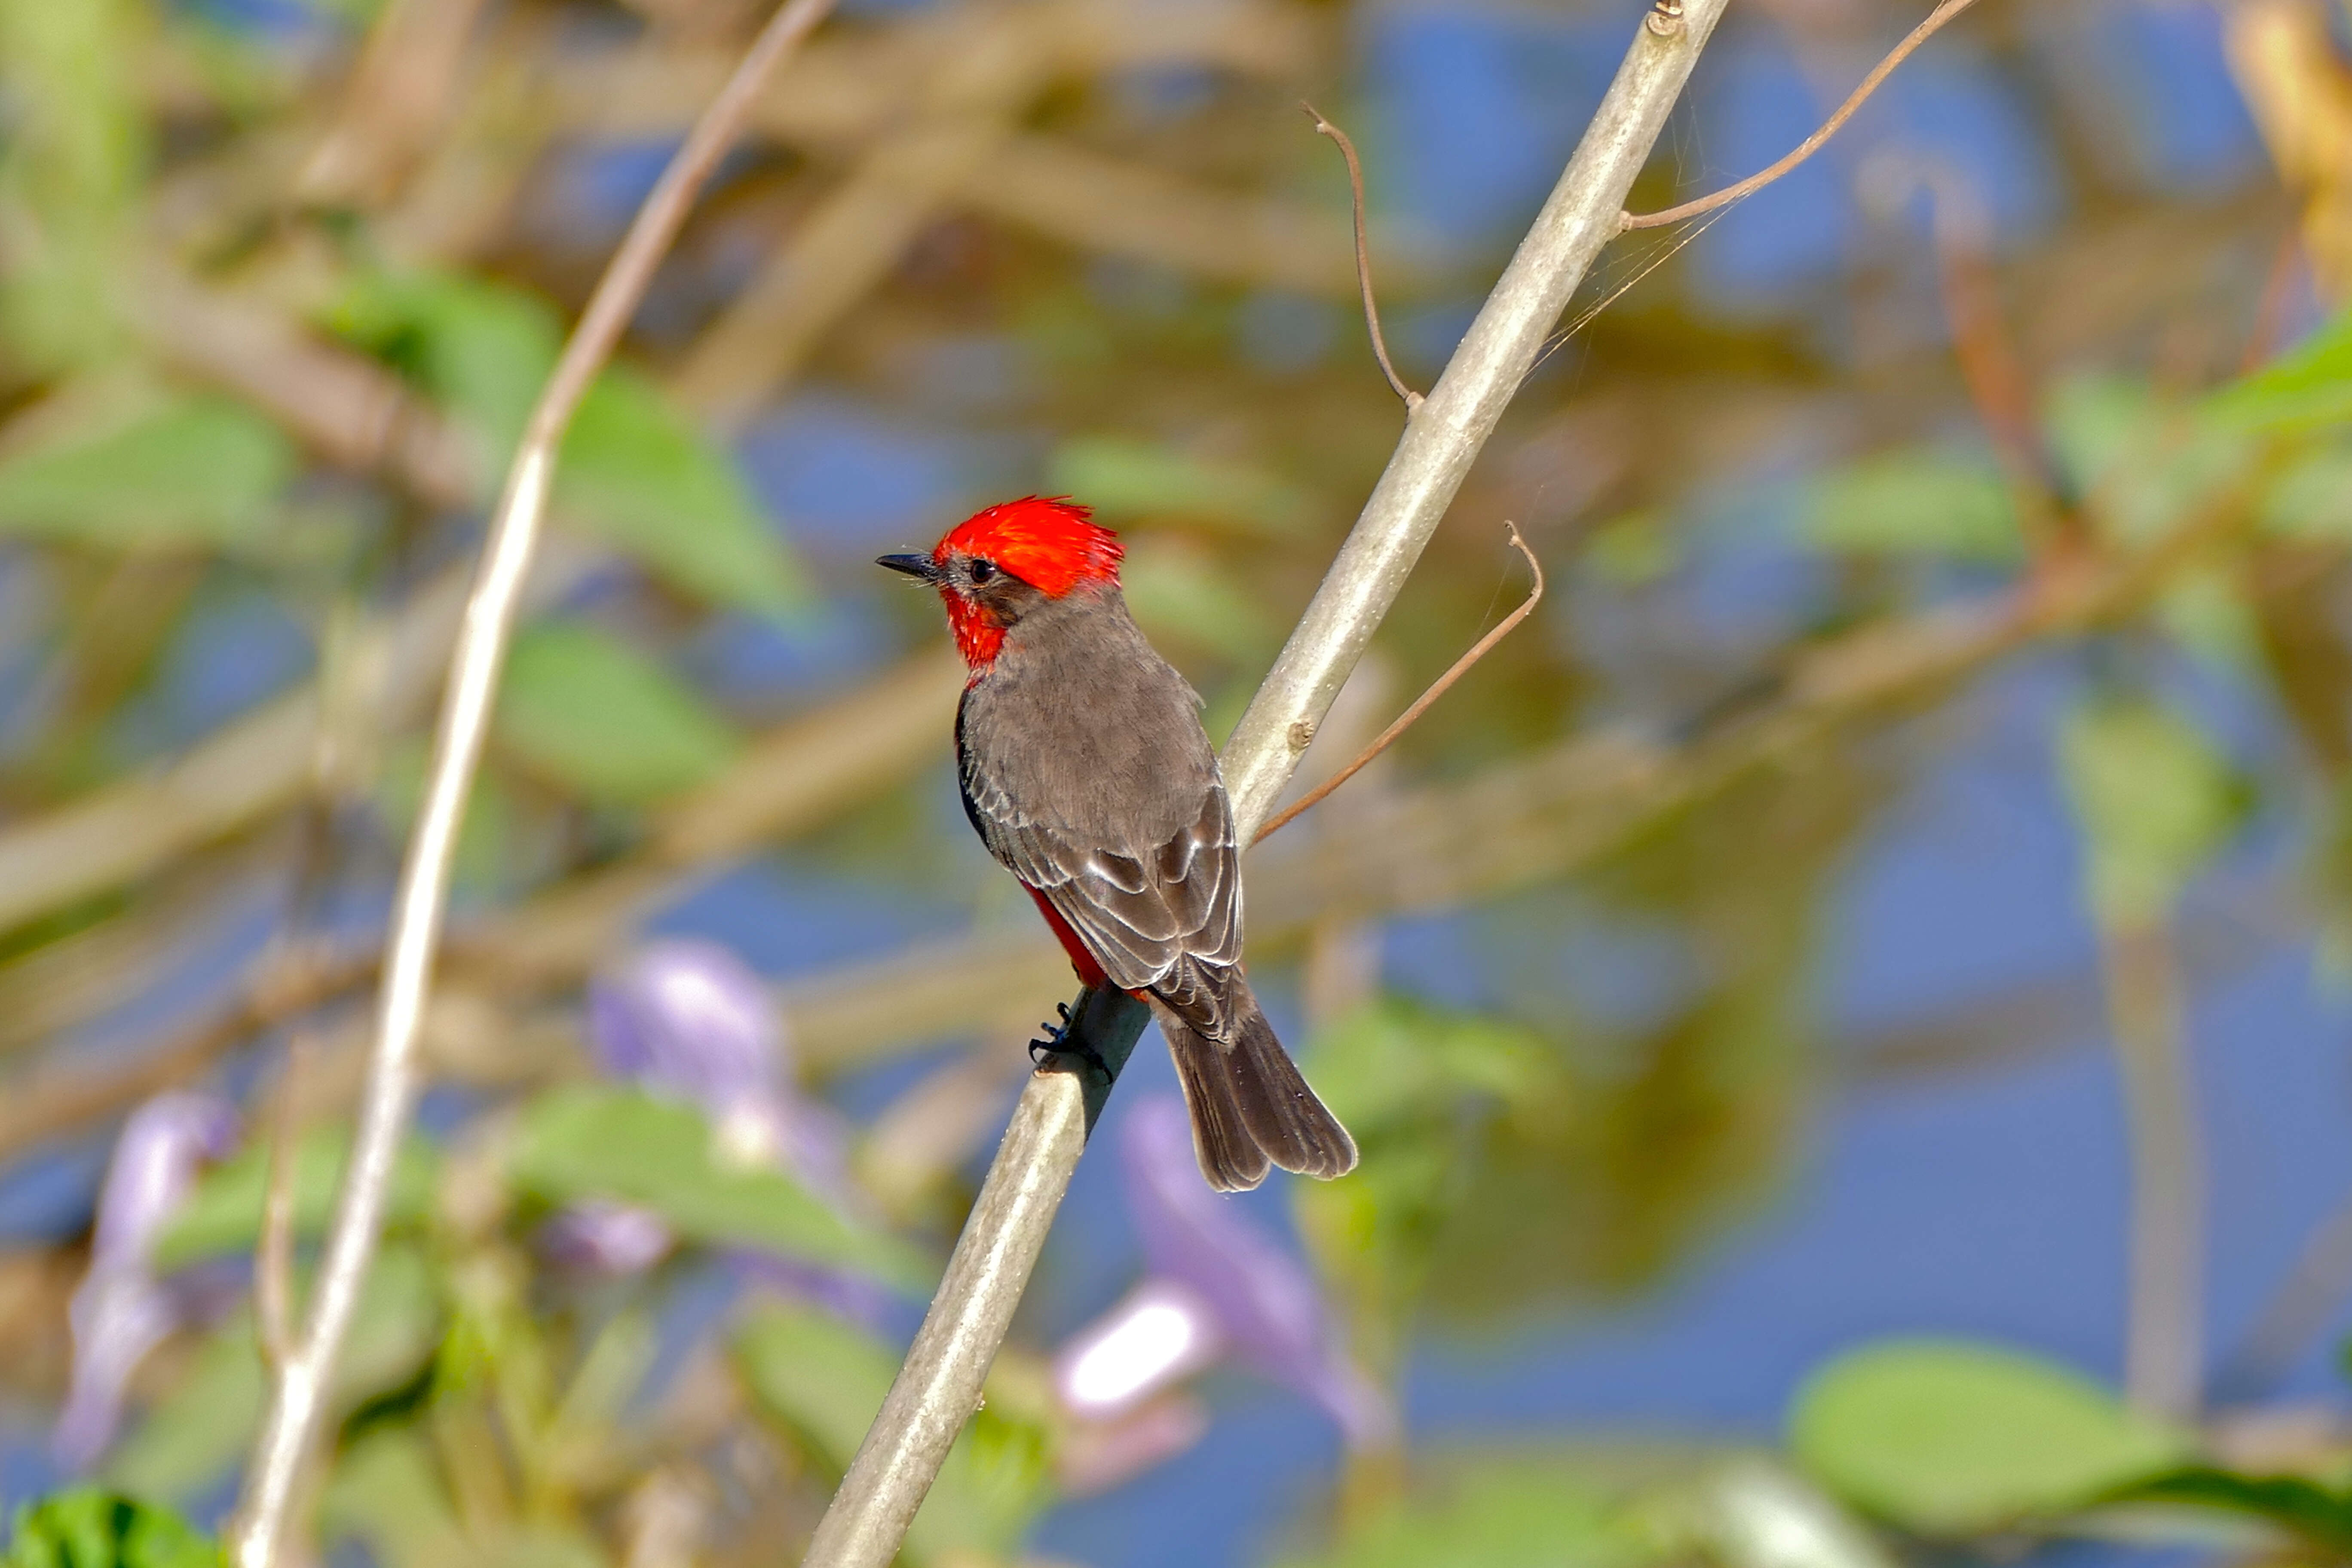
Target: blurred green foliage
(89, 1528)
(1949, 1438)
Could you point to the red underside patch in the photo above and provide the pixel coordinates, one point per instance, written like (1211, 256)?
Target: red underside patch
(1089, 972)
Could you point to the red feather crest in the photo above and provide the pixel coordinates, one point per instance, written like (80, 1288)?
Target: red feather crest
(1052, 543)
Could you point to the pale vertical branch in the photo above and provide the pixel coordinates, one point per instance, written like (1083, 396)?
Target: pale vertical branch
(2165, 1333)
(939, 1385)
(299, 1390)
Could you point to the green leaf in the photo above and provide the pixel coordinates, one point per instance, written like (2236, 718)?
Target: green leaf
(589, 1142)
(2310, 497)
(92, 1528)
(1177, 593)
(74, 80)
(2156, 800)
(1920, 501)
(1501, 1512)
(223, 1216)
(2308, 386)
(2318, 1516)
(637, 474)
(1634, 549)
(588, 711)
(479, 350)
(1400, 1060)
(2207, 611)
(1948, 1438)
(633, 471)
(823, 1381)
(1420, 1088)
(819, 1376)
(197, 471)
(2145, 461)
(1122, 478)
(196, 1434)
(386, 1491)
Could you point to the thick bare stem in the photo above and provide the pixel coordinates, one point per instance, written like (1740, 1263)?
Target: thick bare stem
(939, 1385)
(299, 1391)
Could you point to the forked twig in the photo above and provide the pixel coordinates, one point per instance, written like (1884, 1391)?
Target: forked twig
(1438, 688)
(299, 1390)
(1364, 255)
(1813, 143)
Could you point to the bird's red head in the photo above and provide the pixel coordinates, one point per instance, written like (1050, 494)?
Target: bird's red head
(1052, 544)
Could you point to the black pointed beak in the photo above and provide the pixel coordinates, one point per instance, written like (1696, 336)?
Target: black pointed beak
(912, 565)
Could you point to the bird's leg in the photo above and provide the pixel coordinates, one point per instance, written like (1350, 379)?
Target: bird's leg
(1055, 1041)
(1052, 1035)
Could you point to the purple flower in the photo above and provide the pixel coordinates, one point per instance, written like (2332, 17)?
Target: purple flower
(121, 1311)
(688, 1018)
(1266, 1308)
(853, 1298)
(602, 1238)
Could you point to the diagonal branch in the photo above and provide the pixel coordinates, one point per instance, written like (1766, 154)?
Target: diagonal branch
(1813, 143)
(939, 1384)
(298, 1392)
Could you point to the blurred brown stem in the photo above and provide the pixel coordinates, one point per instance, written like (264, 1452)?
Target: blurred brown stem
(2164, 1346)
(1999, 383)
(2297, 1313)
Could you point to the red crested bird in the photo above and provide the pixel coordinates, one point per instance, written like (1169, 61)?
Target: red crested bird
(1087, 774)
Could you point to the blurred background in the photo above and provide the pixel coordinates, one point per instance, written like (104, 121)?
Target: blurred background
(1843, 1010)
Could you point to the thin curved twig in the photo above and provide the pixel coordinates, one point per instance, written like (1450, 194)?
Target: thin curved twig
(1323, 127)
(1811, 144)
(298, 1394)
(1439, 688)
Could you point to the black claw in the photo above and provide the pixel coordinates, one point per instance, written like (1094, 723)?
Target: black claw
(1054, 1041)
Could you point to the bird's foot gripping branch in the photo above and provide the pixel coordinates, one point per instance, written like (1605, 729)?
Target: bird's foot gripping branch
(1093, 1042)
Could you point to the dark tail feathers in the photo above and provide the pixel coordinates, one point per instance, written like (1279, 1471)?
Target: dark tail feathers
(1250, 1107)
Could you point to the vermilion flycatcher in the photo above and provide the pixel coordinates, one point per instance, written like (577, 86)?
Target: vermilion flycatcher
(1087, 775)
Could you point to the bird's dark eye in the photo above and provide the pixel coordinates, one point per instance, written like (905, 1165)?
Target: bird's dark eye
(982, 573)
